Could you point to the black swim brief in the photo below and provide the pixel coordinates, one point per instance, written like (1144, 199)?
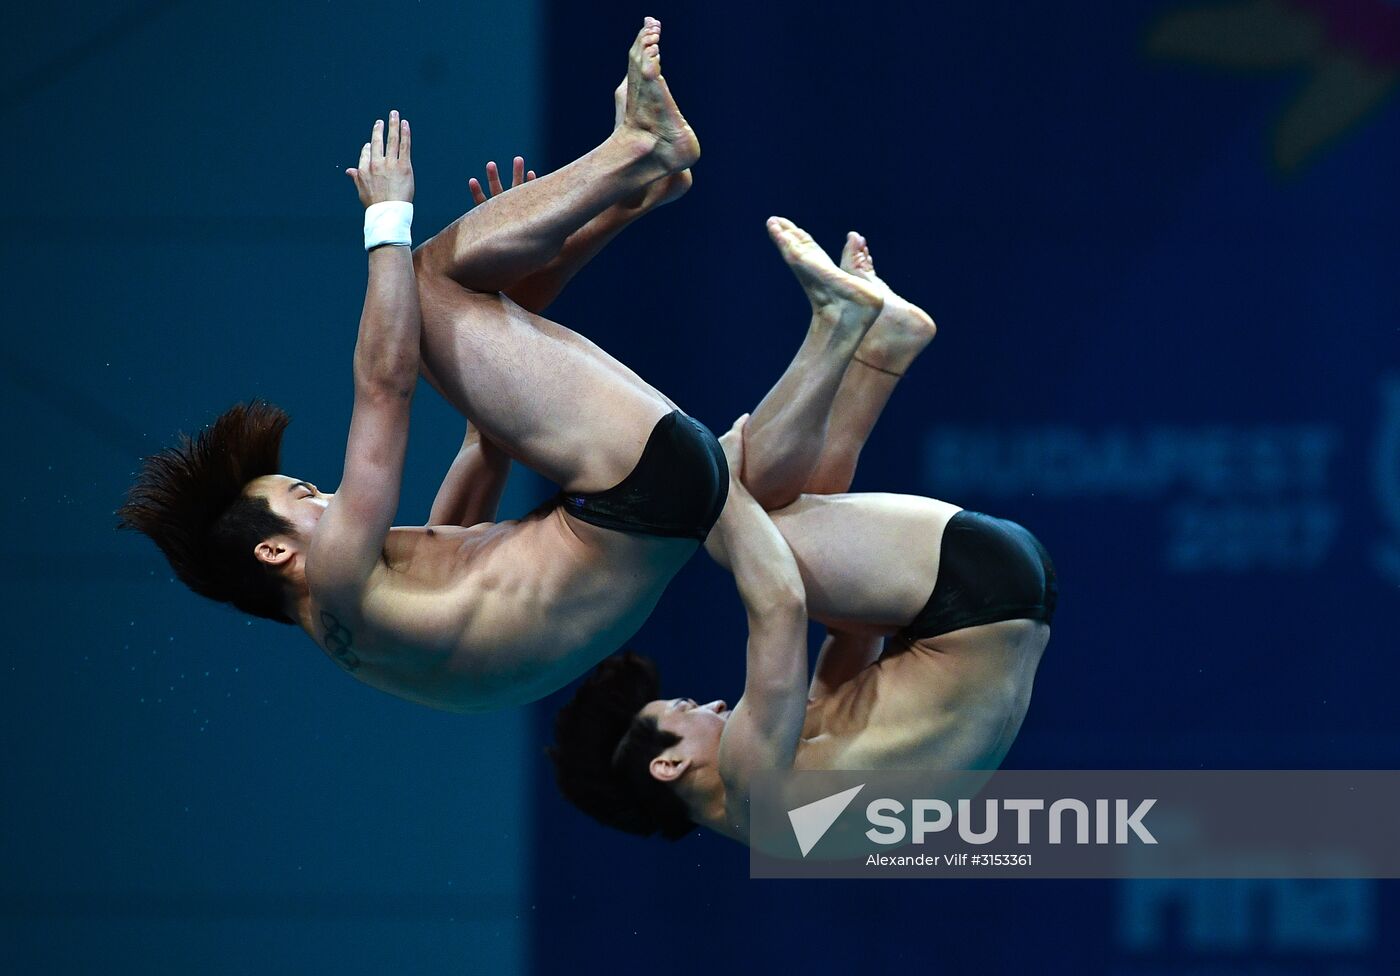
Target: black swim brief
(677, 489)
(989, 570)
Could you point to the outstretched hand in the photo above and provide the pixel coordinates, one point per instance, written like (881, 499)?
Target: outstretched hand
(518, 175)
(385, 171)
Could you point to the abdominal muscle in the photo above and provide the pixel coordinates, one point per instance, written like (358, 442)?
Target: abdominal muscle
(471, 619)
(953, 702)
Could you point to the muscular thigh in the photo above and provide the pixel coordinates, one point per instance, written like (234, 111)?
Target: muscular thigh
(865, 558)
(559, 406)
(597, 352)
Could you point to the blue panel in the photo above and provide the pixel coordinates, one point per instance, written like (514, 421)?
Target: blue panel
(1160, 243)
(187, 791)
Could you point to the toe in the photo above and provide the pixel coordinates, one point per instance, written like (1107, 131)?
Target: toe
(850, 250)
(800, 235)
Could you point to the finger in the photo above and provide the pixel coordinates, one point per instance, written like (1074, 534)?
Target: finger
(406, 146)
(478, 194)
(376, 139)
(517, 171)
(529, 176)
(493, 178)
(392, 151)
(364, 157)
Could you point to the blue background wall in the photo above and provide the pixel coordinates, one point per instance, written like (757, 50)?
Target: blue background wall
(1167, 348)
(185, 791)
(1160, 248)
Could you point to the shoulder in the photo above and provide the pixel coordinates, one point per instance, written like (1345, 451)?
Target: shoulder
(336, 630)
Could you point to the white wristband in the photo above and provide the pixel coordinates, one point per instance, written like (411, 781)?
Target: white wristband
(388, 223)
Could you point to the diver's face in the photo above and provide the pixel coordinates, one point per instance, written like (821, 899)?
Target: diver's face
(699, 726)
(298, 502)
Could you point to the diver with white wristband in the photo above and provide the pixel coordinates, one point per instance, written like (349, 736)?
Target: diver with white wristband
(388, 222)
(461, 612)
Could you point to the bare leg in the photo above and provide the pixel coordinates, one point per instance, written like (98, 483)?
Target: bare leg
(784, 437)
(889, 348)
(885, 354)
(540, 288)
(545, 395)
(549, 399)
(513, 235)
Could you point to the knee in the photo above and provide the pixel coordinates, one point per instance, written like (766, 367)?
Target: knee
(427, 264)
(438, 287)
(772, 488)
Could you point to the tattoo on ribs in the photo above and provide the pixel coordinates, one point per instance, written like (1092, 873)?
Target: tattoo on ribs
(338, 640)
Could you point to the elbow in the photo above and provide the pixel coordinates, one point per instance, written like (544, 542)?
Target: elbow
(386, 383)
(385, 391)
(386, 368)
(784, 601)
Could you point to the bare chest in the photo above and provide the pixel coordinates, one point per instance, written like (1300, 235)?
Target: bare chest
(433, 555)
(929, 709)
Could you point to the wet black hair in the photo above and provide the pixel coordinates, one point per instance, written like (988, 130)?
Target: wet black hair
(603, 749)
(189, 500)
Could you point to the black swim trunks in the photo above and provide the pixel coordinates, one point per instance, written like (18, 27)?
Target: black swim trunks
(677, 489)
(989, 570)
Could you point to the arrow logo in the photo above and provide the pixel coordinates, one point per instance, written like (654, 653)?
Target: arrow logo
(811, 821)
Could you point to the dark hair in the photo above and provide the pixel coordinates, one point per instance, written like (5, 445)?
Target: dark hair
(189, 500)
(603, 749)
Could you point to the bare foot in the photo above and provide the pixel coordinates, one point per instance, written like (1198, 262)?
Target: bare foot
(902, 330)
(845, 302)
(666, 190)
(649, 108)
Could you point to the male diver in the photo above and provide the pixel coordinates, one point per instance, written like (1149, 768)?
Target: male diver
(936, 621)
(465, 614)
(455, 617)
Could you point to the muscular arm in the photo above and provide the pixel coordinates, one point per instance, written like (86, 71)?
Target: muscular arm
(844, 654)
(767, 722)
(349, 540)
(471, 491)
